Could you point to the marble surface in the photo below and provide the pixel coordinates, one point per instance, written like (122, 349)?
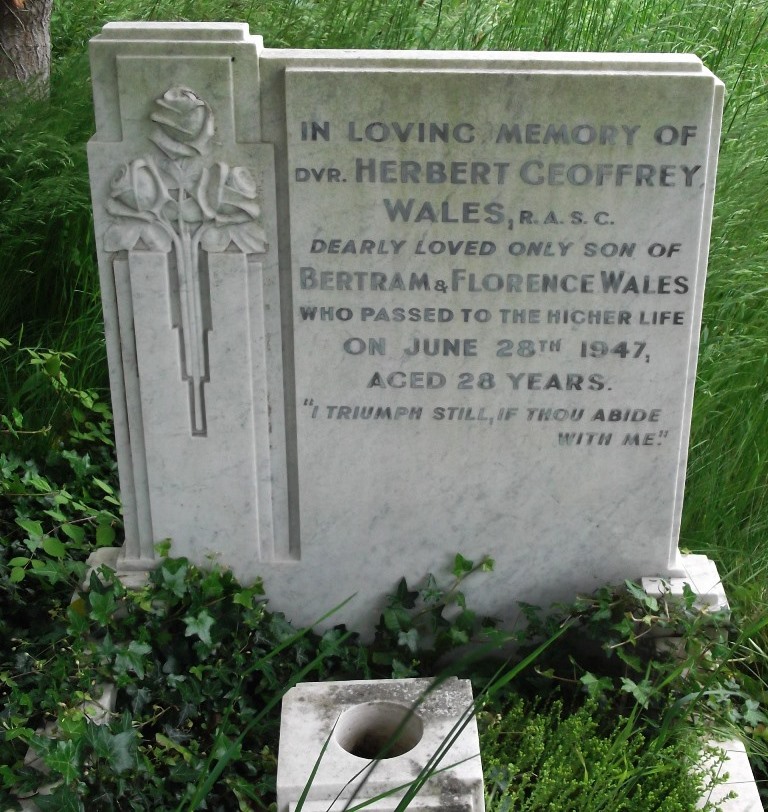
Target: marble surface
(738, 792)
(701, 576)
(340, 715)
(191, 293)
(465, 320)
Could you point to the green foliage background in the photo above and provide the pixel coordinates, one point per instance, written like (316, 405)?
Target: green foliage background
(58, 496)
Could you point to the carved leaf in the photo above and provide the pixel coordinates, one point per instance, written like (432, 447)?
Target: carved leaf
(124, 236)
(248, 237)
(119, 209)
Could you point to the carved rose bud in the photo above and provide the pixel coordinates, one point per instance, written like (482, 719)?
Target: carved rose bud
(228, 195)
(184, 123)
(139, 188)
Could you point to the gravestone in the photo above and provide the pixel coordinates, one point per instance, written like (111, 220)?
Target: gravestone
(367, 310)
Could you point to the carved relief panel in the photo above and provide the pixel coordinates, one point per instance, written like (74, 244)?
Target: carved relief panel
(186, 233)
(179, 204)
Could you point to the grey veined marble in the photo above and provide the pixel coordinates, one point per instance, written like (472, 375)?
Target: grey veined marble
(367, 310)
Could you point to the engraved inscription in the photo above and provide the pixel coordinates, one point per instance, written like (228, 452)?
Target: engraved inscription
(497, 264)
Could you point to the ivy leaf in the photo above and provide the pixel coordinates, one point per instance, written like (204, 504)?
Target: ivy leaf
(64, 759)
(753, 716)
(175, 581)
(409, 639)
(63, 799)
(167, 743)
(34, 533)
(402, 671)
(163, 548)
(79, 464)
(487, 565)
(97, 737)
(462, 566)
(54, 571)
(382, 657)
(212, 585)
(689, 596)
(107, 648)
(431, 592)
(223, 747)
(404, 596)
(74, 531)
(596, 687)
(131, 659)
(105, 535)
(245, 597)
(642, 691)
(107, 488)
(199, 625)
(457, 636)
(122, 751)
(54, 547)
(396, 619)
(465, 620)
(103, 606)
(632, 660)
(637, 592)
(77, 622)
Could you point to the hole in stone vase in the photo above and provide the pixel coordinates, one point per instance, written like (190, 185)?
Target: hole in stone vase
(378, 730)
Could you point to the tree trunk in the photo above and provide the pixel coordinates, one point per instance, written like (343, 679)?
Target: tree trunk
(25, 45)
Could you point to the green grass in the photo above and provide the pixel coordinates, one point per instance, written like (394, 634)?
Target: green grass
(546, 759)
(48, 281)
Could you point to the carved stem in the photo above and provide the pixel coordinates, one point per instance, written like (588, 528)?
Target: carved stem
(191, 315)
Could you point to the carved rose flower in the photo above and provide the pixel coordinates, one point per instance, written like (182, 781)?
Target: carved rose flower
(137, 195)
(137, 189)
(228, 195)
(184, 123)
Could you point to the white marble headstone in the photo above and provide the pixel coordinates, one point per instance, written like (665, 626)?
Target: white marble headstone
(366, 310)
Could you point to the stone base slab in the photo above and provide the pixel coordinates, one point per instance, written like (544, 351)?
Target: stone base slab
(354, 720)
